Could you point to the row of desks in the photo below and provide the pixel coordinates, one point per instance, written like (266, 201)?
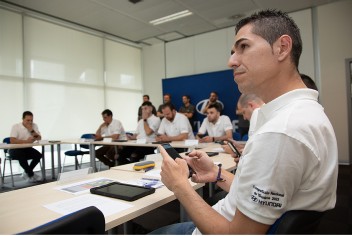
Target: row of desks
(92, 146)
(24, 209)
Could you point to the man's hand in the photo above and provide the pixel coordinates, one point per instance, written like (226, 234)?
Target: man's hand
(204, 169)
(206, 139)
(162, 137)
(174, 173)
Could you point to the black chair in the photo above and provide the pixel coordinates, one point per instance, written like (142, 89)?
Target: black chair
(297, 222)
(86, 221)
(83, 149)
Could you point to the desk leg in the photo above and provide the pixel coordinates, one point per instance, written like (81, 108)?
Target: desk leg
(58, 158)
(52, 162)
(92, 157)
(128, 227)
(43, 164)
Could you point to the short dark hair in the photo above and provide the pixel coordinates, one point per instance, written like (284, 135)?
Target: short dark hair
(26, 113)
(169, 105)
(214, 93)
(216, 106)
(272, 24)
(147, 103)
(107, 112)
(187, 96)
(309, 82)
(147, 96)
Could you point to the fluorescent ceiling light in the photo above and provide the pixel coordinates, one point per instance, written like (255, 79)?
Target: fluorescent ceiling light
(171, 17)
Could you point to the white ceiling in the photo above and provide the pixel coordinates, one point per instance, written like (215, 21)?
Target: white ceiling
(130, 21)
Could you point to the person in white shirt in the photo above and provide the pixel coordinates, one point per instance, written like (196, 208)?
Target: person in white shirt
(110, 128)
(26, 132)
(146, 129)
(248, 106)
(218, 127)
(174, 126)
(291, 160)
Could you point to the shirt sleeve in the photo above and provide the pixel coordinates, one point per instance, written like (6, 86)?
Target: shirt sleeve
(269, 176)
(227, 123)
(154, 124)
(161, 129)
(203, 127)
(14, 132)
(183, 124)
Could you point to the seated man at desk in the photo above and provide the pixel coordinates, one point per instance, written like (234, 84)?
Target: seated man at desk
(110, 128)
(292, 133)
(146, 129)
(249, 105)
(174, 126)
(218, 127)
(21, 133)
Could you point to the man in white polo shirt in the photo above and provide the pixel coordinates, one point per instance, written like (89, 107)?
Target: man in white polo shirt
(291, 160)
(174, 126)
(26, 132)
(218, 127)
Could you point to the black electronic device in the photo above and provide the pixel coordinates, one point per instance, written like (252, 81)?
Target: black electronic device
(122, 191)
(160, 142)
(210, 154)
(174, 154)
(233, 148)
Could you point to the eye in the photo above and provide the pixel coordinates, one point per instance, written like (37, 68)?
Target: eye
(243, 46)
(232, 52)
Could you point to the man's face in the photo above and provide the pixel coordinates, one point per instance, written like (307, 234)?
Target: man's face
(27, 120)
(145, 99)
(185, 100)
(169, 114)
(213, 115)
(253, 61)
(146, 110)
(107, 119)
(166, 99)
(213, 97)
(247, 112)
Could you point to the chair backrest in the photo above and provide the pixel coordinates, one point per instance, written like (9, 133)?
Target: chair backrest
(6, 140)
(89, 220)
(297, 222)
(86, 136)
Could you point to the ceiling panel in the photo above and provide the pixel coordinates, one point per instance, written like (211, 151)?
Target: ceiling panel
(130, 21)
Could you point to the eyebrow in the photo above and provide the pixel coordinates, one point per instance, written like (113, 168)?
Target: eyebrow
(239, 41)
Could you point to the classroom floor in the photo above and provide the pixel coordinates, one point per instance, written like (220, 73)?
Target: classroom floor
(336, 221)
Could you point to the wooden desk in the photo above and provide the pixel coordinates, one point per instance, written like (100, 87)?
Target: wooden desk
(133, 143)
(23, 209)
(29, 145)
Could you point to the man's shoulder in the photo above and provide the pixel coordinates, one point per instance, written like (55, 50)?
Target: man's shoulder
(17, 125)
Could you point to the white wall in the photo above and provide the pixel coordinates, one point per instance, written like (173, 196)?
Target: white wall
(210, 52)
(335, 45)
(65, 76)
(153, 71)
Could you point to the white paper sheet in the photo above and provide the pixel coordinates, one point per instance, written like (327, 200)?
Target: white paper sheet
(104, 204)
(84, 186)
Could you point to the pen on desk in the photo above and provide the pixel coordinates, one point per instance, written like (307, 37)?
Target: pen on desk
(148, 169)
(151, 179)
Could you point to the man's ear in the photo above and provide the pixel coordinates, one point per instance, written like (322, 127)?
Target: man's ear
(283, 47)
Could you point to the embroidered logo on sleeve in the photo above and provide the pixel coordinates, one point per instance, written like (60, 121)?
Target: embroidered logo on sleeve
(267, 197)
